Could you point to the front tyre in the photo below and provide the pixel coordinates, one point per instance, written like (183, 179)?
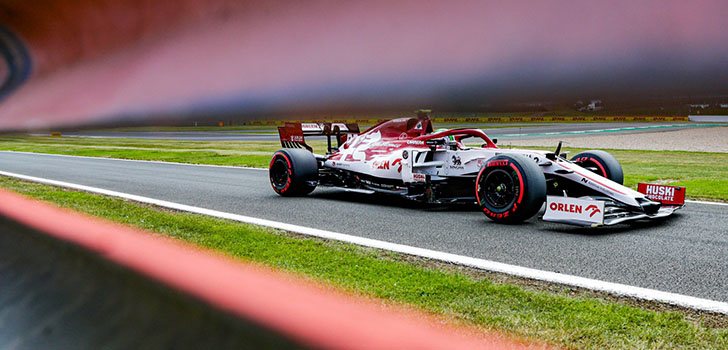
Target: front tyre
(293, 172)
(600, 163)
(510, 188)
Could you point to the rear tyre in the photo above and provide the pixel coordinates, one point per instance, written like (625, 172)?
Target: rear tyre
(293, 172)
(600, 163)
(510, 188)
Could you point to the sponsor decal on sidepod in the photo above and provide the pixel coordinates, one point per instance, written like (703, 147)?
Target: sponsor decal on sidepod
(561, 209)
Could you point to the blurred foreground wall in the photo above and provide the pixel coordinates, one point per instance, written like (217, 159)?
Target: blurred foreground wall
(92, 61)
(55, 295)
(71, 281)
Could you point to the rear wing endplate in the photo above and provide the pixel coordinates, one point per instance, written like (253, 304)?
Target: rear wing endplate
(292, 135)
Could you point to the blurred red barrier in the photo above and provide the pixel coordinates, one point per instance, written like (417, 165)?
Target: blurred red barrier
(311, 315)
(101, 60)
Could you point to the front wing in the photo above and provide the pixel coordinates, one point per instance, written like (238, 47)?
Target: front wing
(603, 211)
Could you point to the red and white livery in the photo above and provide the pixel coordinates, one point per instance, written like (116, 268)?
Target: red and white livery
(405, 157)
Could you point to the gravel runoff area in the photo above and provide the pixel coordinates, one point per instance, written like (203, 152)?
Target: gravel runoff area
(700, 139)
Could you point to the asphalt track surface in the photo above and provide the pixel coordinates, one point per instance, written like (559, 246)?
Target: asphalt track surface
(685, 254)
(510, 133)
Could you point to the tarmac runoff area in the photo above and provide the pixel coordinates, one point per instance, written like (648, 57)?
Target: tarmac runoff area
(713, 139)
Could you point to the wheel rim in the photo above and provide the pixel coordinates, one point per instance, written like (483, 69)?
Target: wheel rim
(499, 189)
(279, 173)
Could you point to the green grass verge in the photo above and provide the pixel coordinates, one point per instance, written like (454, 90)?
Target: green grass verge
(704, 174)
(191, 128)
(556, 316)
(252, 154)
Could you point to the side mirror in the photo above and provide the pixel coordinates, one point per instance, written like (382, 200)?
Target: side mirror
(495, 141)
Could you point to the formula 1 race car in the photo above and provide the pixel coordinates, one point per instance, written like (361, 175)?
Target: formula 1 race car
(405, 157)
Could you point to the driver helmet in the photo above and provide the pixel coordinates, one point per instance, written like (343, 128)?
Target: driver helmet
(448, 139)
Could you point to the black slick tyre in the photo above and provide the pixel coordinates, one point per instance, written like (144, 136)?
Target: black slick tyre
(293, 172)
(510, 188)
(600, 163)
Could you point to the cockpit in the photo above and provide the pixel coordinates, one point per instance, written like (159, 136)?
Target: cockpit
(420, 128)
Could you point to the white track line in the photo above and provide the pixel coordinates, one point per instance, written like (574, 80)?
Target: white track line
(136, 160)
(219, 166)
(705, 202)
(552, 277)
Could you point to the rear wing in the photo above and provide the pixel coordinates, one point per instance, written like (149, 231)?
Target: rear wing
(292, 135)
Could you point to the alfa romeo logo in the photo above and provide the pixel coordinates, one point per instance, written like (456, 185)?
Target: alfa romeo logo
(456, 161)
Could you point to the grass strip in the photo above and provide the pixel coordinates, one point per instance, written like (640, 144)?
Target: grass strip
(251, 154)
(555, 316)
(705, 174)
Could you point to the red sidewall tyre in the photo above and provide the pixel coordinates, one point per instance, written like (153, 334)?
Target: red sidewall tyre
(293, 172)
(602, 163)
(510, 188)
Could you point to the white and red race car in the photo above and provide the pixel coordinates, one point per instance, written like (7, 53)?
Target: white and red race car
(405, 157)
